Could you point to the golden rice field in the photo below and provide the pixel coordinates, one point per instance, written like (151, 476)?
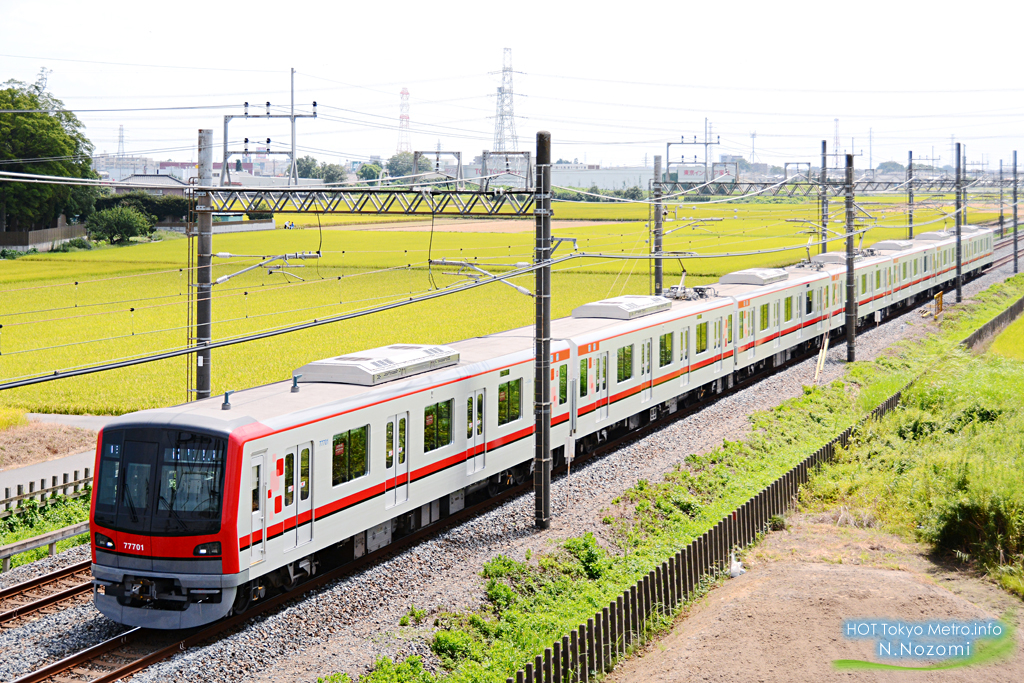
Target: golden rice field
(63, 311)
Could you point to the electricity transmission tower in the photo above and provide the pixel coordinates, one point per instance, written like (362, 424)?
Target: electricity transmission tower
(404, 144)
(504, 119)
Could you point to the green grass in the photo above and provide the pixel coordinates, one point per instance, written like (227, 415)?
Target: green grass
(11, 417)
(1010, 342)
(532, 603)
(61, 311)
(36, 519)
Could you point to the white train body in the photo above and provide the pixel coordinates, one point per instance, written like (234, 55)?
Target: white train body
(199, 509)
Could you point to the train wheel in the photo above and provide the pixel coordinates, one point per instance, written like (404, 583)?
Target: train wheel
(243, 598)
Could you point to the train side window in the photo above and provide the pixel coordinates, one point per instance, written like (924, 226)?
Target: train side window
(437, 425)
(350, 456)
(509, 401)
(743, 317)
(915, 266)
(256, 487)
(584, 362)
(878, 279)
(563, 384)
(624, 363)
(728, 329)
(684, 344)
(289, 479)
(665, 350)
(788, 309)
(763, 323)
(702, 338)
(304, 474)
(810, 302)
(469, 415)
(904, 270)
(864, 283)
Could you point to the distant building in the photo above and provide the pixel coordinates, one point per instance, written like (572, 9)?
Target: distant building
(152, 183)
(120, 167)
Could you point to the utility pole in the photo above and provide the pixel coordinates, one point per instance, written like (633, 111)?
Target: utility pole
(204, 264)
(542, 337)
(963, 182)
(824, 198)
(910, 194)
(851, 289)
(658, 271)
(1001, 230)
(959, 222)
(1014, 212)
(706, 143)
(294, 172)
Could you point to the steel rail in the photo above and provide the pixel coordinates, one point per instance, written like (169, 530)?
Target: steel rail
(11, 593)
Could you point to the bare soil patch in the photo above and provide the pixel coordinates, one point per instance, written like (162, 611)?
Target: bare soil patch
(38, 442)
(782, 620)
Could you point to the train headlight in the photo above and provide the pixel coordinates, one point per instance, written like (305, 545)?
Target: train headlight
(103, 541)
(207, 549)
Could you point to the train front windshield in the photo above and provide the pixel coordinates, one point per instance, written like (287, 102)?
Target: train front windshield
(161, 482)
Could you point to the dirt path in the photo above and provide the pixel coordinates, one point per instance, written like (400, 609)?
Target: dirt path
(38, 442)
(782, 620)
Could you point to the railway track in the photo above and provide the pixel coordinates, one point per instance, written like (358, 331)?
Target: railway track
(46, 594)
(138, 648)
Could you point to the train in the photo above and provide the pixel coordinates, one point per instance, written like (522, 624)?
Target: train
(202, 509)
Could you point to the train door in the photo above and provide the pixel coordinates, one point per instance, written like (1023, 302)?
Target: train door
(304, 493)
(646, 370)
(822, 307)
(288, 509)
(257, 528)
(396, 460)
(718, 344)
(684, 356)
(601, 385)
(777, 319)
(476, 444)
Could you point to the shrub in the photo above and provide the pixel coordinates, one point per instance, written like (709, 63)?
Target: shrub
(262, 213)
(119, 224)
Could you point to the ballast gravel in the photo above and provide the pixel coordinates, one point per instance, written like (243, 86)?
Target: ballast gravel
(348, 625)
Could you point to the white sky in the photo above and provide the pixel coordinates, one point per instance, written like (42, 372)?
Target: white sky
(611, 82)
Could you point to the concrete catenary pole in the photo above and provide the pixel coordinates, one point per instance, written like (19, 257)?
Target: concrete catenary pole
(204, 263)
(824, 198)
(910, 194)
(1001, 216)
(658, 226)
(1015, 211)
(959, 222)
(851, 289)
(293, 172)
(542, 337)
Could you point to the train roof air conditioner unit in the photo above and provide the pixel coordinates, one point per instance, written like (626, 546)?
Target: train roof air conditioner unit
(380, 365)
(623, 307)
(893, 245)
(755, 276)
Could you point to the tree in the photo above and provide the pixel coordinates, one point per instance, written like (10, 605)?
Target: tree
(891, 167)
(369, 172)
(401, 165)
(634, 193)
(48, 143)
(331, 173)
(119, 224)
(306, 166)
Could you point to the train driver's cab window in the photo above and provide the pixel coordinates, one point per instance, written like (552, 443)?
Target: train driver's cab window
(563, 384)
(584, 363)
(665, 349)
(764, 318)
(350, 457)
(702, 338)
(437, 425)
(624, 363)
(510, 401)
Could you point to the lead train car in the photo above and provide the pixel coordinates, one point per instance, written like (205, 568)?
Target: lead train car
(198, 510)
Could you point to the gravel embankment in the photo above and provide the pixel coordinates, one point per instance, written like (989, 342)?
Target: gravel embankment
(346, 626)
